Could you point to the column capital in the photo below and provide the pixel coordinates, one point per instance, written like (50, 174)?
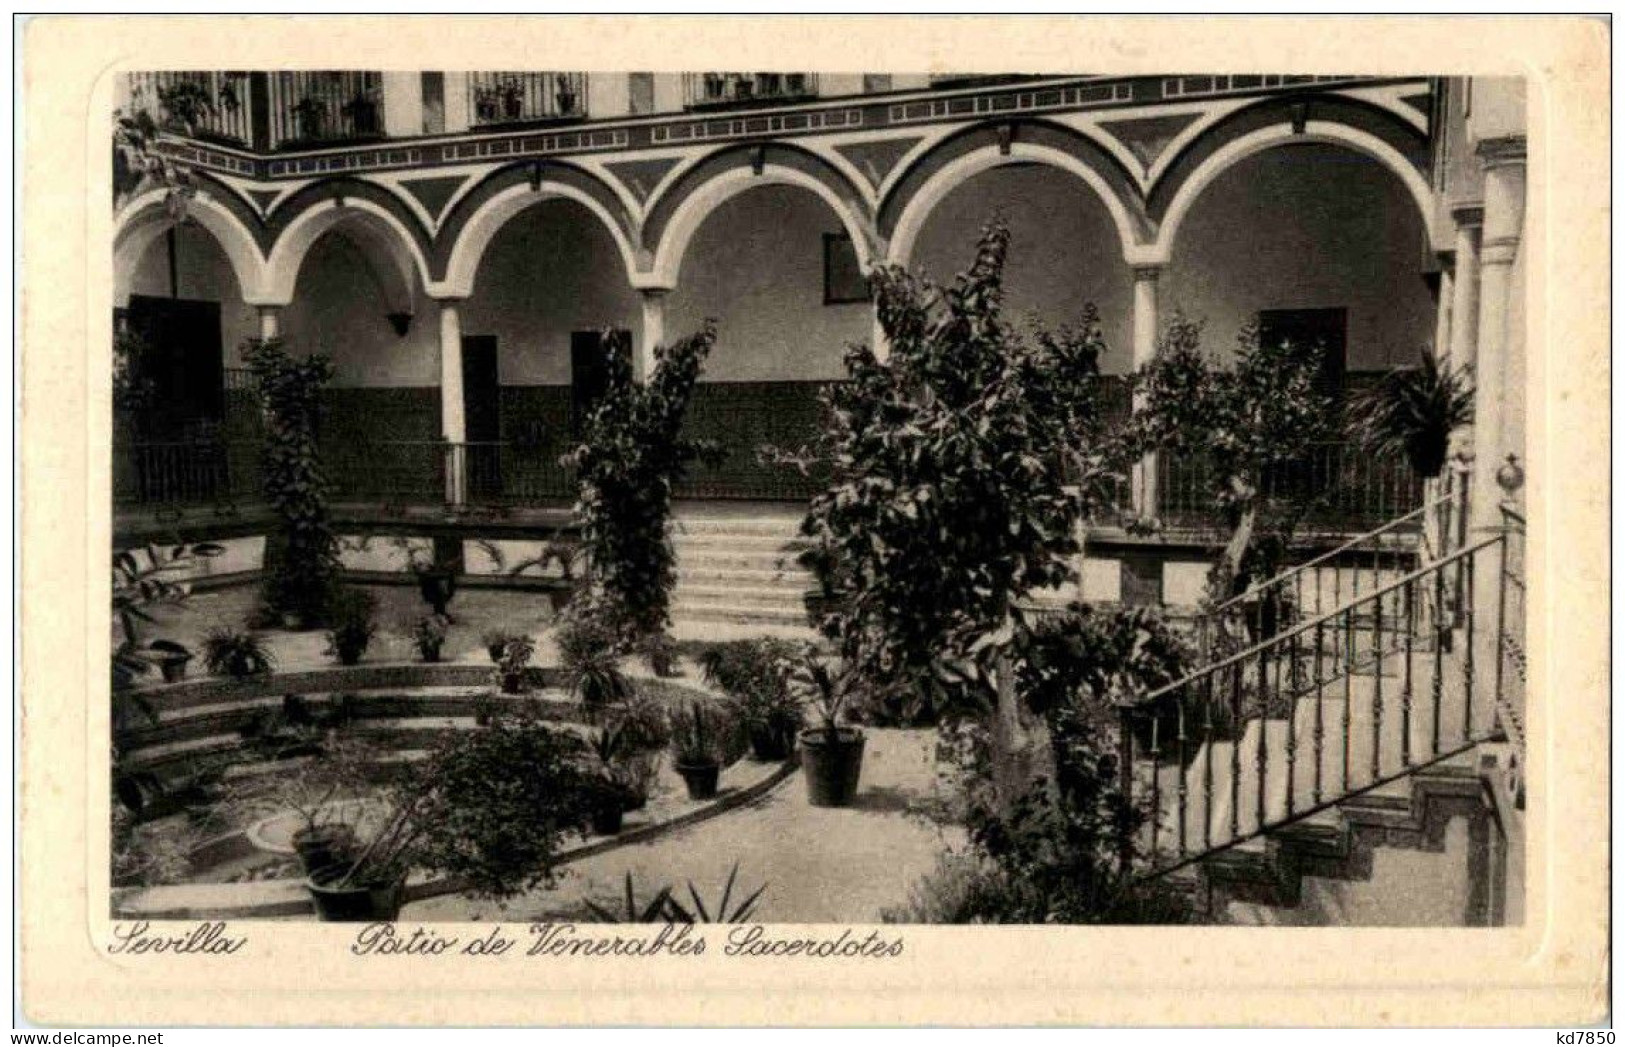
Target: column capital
(1511, 150)
(1147, 272)
(444, 300)
(655, 293)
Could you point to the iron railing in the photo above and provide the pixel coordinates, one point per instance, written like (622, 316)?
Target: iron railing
(206, 105)
(1370, 691)
(320, 106)
(1339, 485)
(515, 97)
(391, 473)
(721, 89)
(175, 474)
(1325, 581)
(503, 475)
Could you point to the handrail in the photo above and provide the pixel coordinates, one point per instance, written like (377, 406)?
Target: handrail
(1451, 495)
(1281, 638)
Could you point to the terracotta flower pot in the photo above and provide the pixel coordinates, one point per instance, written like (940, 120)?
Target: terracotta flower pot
(701, 779)
(367, 903)
(832, 765)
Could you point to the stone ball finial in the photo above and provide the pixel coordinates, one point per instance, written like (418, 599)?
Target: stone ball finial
(1510, 475)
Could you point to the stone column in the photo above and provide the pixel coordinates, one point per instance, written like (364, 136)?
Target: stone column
(1504, 162)
(1445, 310)
(270, 317)
(1464, 306)
(453, 427)
(1144, 476)
(654, 332)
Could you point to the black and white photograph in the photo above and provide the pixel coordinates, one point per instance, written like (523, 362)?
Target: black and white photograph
(871, 501)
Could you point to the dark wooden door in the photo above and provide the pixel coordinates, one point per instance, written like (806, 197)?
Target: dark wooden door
(589, 372)
(1326, 329)
(180, 455)
(182, 359)
(482, 415)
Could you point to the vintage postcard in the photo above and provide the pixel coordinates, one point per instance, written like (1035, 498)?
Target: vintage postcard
(1105, 511)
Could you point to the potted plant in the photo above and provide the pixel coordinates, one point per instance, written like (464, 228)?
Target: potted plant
(586, 651)
(312, 117)
(565, 96)
(362, 112)
(754, 674)
(437, 582)
(643, 732)
(171, 659)
(695, 751)
(661, 652)
(513, 666)
(831, 755)
(229, 652)
(495, 640)
(353, 625)
(428, 635)
(1412, 411)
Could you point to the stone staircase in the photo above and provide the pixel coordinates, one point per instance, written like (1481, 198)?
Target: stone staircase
(1367, 791)
(737, 574)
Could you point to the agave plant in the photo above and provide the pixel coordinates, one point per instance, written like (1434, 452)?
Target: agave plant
(1412, 411)
(652, 912)
(678, 913)
(228, 652)
(664, 908)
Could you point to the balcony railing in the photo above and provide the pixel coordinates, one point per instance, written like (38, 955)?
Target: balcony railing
(183, 473)
(702, 90)
(206, 105)
(1340, 486)
(515, 97)
(317, 107)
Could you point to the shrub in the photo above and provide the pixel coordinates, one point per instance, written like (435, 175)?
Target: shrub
(632, 451)
(755, 674)
(496, 804)
(513, 668)
(705, 732)
(229, 652)
(586, 652)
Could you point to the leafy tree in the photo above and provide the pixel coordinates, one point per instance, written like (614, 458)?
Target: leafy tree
(1260, 412)
(962, 466)
(631, 453)
(290, 394)
(961, 470)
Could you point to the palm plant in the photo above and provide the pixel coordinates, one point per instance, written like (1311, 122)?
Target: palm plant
(1412, 411)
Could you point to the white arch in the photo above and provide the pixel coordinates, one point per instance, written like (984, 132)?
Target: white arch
(147, 216)
(1322, 131)
(482, 227)
(939, 185)
(716, 191)
(386, 232)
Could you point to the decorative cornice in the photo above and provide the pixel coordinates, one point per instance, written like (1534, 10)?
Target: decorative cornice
(1501, 152)
(856, 113)
(1469, 215)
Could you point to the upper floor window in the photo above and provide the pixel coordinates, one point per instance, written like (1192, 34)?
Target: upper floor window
(315, 107)
(514, 97)
(641, 94)
(718, 89)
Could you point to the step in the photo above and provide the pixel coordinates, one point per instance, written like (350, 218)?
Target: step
(785, 527)
(791, 581)
(744, 596)
(735, 540)
(730, 610)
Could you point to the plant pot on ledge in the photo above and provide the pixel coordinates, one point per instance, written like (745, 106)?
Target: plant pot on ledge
(324, 847)
(832, 760)
(701, 779)
(366, 903)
